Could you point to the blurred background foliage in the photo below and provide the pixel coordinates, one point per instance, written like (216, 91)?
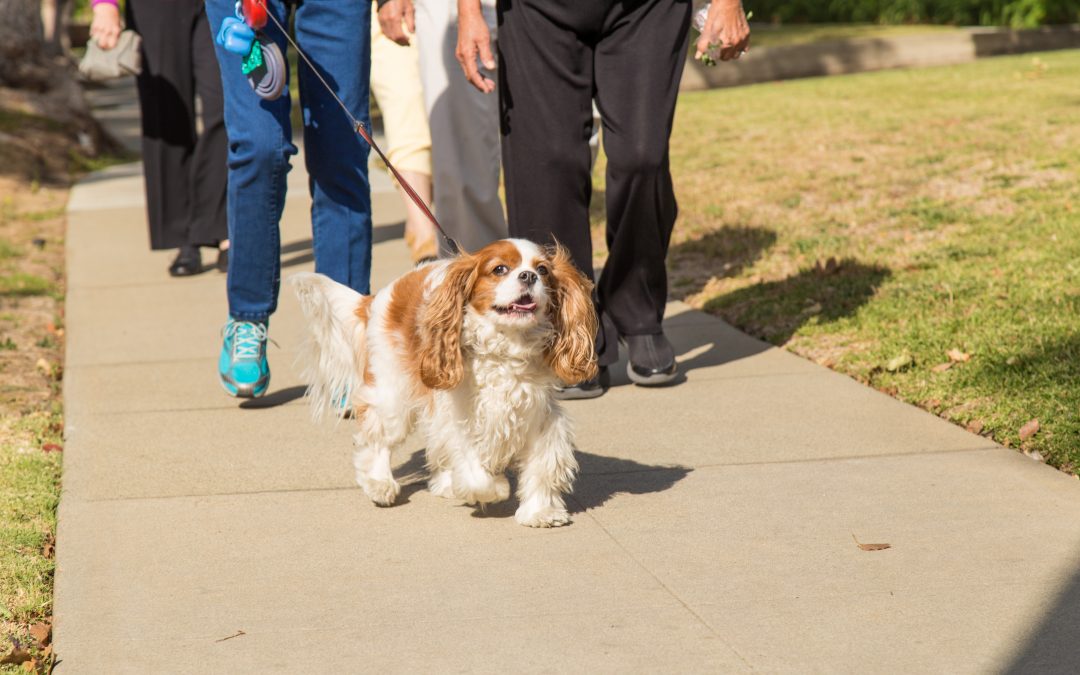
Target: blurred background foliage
(1014, 13)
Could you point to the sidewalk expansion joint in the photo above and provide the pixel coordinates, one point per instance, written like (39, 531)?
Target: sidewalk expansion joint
(207, 495)
(844, 458)
(667, 589)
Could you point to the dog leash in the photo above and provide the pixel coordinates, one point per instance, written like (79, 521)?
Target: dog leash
(358, 127)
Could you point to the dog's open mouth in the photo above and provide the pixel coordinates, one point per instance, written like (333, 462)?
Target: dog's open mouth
(523, 306)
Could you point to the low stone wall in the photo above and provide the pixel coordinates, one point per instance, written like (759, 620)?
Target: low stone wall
(838, 57)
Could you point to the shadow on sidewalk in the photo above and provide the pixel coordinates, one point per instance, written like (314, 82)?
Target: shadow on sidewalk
(1054, 644)
(600, 479)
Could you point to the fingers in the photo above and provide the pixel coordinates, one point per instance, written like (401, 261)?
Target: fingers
(474, 40)
(485, 55)
(105, 26)
(390, 23)
(410, 16)
(106, 37)
(467, 58)
(701, 47)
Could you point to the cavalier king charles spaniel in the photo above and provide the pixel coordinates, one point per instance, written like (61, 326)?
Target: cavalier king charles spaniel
(469, 350)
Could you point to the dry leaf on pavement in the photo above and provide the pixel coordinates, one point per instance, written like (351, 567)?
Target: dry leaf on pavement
(1029, 429)
(871, 547)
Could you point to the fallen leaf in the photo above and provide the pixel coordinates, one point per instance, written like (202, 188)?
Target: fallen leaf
(41, 632)
(43, 366)
(871, 547)
(932, 403)
(1029, 429)
(52, 447)
(17, 656)
(942, 367)
(958, 356)
(1035, 455)
(975, 426)
(30, 666)
(50, 547)
(899, 363)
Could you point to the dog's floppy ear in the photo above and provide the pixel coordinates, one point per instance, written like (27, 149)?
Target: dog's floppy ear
(441, 362)
(572, 354)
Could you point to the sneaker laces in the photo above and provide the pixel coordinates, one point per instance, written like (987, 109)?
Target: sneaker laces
(248, 338)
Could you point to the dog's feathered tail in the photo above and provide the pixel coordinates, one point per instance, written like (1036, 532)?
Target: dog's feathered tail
(333, 357)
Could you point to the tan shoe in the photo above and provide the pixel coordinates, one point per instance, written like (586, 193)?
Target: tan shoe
(422, 250)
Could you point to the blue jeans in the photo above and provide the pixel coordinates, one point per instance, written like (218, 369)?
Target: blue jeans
(335, 34)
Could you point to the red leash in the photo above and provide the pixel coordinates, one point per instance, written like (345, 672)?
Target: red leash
(358, 127)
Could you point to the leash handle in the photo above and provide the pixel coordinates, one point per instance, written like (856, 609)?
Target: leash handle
(358, 126)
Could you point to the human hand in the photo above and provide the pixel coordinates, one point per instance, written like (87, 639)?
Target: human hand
(397, 19)
(105, 26)
(474, 41)
(725, 25)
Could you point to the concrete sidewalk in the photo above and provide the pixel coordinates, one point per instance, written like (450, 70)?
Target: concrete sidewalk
(713, 527)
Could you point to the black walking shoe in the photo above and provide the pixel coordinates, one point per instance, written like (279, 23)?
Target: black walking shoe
(587, 389)
(651, 360)
(188, 262)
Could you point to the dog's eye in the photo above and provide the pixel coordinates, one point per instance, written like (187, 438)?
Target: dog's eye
(501, 270)
(542, 270)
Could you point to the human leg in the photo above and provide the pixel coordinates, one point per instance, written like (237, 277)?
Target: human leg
(395, 83)
(336, 37)
(167, 106)
(464, 131)
(639, 61)
(546, 122)
(259, 147)
(209, 225)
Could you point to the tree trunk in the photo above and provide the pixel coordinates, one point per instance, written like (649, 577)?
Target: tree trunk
(36, 80)
(23, 63)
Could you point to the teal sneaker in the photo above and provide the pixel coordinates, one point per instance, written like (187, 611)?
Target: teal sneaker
(242, 366)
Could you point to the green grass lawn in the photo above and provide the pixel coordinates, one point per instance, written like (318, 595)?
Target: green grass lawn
(875, 222)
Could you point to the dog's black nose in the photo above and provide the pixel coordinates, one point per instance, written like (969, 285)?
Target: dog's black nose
(528, 278)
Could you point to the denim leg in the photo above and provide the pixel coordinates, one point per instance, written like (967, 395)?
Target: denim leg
(336, 36)
(260, 145)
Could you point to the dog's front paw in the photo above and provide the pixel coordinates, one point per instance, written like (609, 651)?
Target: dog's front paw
(382, 492)
(548, 516)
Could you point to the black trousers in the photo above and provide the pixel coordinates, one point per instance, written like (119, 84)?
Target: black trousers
(185, 170)
(555, 57)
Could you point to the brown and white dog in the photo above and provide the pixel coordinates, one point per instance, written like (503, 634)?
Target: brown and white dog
(468, 349)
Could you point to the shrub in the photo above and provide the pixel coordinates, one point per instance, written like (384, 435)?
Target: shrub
(1014, 13)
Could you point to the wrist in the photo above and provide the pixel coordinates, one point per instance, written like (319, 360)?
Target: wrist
(469, 8)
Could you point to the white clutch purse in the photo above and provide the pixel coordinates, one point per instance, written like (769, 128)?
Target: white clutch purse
(125, 58)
